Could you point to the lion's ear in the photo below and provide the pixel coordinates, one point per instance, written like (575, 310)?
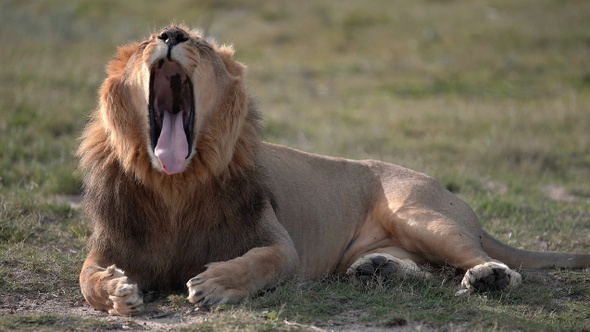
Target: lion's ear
(226, 52)
(117, 65)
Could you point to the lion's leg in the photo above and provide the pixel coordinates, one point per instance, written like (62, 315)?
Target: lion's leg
(108, 289)
(258, 269)
(442, 240)
(234, 280)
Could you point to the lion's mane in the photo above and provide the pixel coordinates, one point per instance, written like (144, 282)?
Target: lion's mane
(145, 220)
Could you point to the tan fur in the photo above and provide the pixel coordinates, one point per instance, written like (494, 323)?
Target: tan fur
(245, 214)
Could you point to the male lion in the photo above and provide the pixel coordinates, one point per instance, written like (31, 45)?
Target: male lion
(182, 191)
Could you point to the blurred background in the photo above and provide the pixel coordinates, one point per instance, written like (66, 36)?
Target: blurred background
(490, 97)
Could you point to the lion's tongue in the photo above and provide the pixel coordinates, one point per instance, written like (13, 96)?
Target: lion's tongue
(172, 146)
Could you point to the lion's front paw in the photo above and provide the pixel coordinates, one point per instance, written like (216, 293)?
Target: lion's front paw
(123, 292)
(489, 277)
(218, 285)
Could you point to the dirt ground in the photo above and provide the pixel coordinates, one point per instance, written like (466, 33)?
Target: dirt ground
(160, 315)
(155, 319)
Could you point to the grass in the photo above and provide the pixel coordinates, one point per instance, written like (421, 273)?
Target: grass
(490, 97)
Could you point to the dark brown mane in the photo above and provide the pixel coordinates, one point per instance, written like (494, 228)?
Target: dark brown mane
(162, 229)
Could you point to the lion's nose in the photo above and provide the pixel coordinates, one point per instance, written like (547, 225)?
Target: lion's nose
(173, 36)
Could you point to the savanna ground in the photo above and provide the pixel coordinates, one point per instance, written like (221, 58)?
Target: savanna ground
(490, 97)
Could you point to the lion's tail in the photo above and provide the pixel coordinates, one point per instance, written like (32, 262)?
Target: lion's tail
(515, 257)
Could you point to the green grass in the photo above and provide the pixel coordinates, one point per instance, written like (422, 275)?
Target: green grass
(49, 322)
(490, 97)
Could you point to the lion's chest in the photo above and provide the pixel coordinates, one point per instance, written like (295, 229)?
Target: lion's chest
(161, 241)
(166, 257)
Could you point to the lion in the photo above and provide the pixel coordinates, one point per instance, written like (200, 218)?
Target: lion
(183, 193)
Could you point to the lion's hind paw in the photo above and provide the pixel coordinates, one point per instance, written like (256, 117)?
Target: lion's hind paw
(489, 276)
(380, 267)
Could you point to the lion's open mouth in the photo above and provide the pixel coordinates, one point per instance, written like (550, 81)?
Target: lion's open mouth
(172, 115)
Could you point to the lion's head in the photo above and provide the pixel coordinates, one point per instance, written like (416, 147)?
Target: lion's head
(173, 106)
